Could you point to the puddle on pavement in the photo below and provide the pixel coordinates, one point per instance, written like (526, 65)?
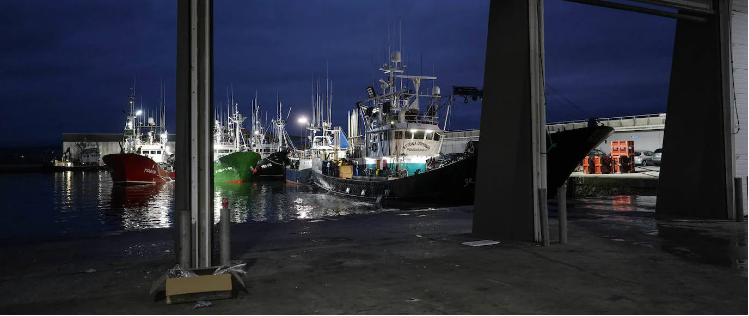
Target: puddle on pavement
(631, 219)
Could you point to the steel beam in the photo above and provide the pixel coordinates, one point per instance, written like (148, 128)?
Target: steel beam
(193, 159)
(626, 7)
(700, 6)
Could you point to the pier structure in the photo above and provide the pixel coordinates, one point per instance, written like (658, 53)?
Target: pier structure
(646, 130)
(511, 174)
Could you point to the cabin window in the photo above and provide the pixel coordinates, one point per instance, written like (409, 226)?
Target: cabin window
(419, 135)
(409, 135)
(158, 152)
(398, 134)
(436, 136)
(428, 136)
(385, 136)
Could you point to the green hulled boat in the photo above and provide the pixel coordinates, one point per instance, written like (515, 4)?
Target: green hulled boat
(235, 167)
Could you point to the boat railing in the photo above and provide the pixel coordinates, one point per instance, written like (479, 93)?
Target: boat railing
(434, 120)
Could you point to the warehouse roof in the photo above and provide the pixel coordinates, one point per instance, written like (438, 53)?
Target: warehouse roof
(97, 137)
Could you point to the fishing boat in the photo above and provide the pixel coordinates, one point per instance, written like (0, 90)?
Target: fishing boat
(262, 140)
(398, 155)
(144, 156)
(233, 160)
(327, 142)
(400, 159)
(277, 148)
(86, 158)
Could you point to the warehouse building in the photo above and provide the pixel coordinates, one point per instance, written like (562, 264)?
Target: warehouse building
(107, 143)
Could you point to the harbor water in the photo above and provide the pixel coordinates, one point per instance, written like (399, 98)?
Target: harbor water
(47, 206)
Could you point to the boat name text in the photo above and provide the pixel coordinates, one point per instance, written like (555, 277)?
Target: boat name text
(411, 146)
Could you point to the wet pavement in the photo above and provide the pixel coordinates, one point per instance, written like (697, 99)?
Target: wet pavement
(632, 219)
(621, 259)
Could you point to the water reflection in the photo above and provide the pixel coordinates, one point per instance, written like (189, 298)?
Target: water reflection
(87, 203)
(279, 202)
(620, 203)
(138, 207)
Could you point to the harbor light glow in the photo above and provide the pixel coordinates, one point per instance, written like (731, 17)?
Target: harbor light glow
(413, 131)
(302, 120)
(257, 132)
(138, 113)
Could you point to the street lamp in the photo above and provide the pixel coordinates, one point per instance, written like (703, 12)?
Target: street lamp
(302, 123)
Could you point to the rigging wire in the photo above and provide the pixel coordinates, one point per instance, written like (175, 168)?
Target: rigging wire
(568, 101)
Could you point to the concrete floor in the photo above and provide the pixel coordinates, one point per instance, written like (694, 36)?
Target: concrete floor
(620, 260)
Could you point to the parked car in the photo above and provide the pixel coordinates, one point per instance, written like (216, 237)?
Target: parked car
(644, 158)
(657, 154)
(596, 152)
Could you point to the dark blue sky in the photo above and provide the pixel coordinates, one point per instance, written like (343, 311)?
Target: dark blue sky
(67, 66)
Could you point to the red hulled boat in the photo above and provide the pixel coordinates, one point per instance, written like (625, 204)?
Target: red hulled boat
(144, 155)
(135, 169)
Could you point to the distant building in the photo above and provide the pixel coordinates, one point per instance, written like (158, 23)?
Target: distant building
(108, 143)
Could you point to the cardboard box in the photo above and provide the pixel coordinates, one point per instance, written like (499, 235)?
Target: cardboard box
(201, 287)
(346, 172)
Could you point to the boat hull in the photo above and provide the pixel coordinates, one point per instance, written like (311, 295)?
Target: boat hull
(569, 149)
(272, 167)
(135, 169)
(235, 167)
(454, 184)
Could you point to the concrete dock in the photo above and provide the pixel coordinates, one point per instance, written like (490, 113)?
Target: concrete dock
(644, 181)
(620, 259)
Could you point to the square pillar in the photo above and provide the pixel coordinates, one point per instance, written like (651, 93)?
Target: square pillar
(696, 178)
(512, 165)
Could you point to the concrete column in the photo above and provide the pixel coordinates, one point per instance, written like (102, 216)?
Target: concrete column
(193, 157)
(697, 169)
(511, 167)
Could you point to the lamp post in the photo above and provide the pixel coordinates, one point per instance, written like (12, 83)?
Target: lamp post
(302, 123)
